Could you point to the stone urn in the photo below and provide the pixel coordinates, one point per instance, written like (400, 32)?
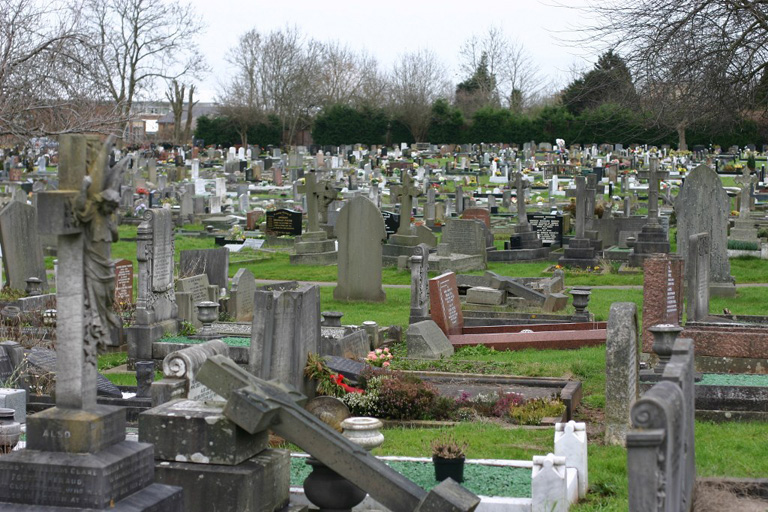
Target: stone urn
(207, 313)
(10, 430)
(664, 336)
(580, 300)
(363, 431)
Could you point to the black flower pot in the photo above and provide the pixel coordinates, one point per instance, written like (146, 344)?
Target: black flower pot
(448, 468)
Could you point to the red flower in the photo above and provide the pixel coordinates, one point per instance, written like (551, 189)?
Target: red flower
(339, 380)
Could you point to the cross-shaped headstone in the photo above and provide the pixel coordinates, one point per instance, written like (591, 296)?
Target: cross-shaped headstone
(318, 193)
(81, 214)
(653, 175)
(745, 180)
(405, 193)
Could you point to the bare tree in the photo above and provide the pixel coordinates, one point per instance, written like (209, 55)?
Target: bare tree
(242, 99)
(417, 80)
(692, 59)
(346, 77)
(190, 108)
(515, 75)
(136, 42)
(289, 74)
(43, 85)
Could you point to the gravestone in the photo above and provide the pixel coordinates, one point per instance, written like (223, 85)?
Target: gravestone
(480, 214)
(662, 293)
(703, 206)
(419, 282)
(652, 239)
(212, 262)
(391, 222)
(580, 251)
(21, 245)
(744, 229)
(444, 303)
(284, 222)
(156, 309)
(199, 449)
(285, 329)
(698, 277)
(241, 303)
(124, 282)
(621, 370)
(548, 227)
(360, 231)
(425, 340)
(76, 455)
(313, 247)
(190, 291)
(465, 237)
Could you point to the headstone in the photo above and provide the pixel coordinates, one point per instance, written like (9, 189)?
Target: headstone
(698, 277)
(425, 340)
(548, 227)
(241, 296)
(284, 222)
(285, 329)
(212, 262)
(124, 282)
(360, 231)
(481, 214)
(465, 237)
(76, 454)
(391, 222)
(445, 307)
(702, 206)
(662, 293)
(419, 282)
(621, 370)
(22, 249)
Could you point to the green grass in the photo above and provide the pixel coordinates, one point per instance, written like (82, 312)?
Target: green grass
(112, 360)
(127, 379)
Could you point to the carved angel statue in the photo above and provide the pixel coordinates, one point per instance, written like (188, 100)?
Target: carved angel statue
(94, 210)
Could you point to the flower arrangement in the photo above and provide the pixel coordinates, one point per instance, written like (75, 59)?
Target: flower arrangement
(328, 383)
(380, 357)
(236, 232)
(139, 210)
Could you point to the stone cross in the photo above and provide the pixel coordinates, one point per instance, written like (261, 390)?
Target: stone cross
(81, 214)
(406, 192)
(256, 405)
(746, 181)
(522, 217)
(653, 192)
(318, 193)
(581, 205)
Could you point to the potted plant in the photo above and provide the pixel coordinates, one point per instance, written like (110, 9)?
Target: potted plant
(448, 456)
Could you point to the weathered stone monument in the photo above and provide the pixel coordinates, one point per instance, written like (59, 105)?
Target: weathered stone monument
(212, 262)
(580, 252)
(420, 283)
(285, 329)
(360, 231)
(156, 308)
(402, 242)
(313, 246)
(652, 239)
(256, 405)
(621, 370)
(525, 238)
(240, 304)
(702, 206)
(744, 229)
(22, 248)
(76, 455)
(697, 285)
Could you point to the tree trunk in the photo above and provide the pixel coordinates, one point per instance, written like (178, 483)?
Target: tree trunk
(681, 145)
(190, 106)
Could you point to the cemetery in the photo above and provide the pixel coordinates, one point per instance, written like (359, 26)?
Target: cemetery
(212, 328)
(334, 287)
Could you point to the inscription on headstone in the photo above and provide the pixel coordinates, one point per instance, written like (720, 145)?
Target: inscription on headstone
(124, 282)
(284, 222)
(549, 228)
(445, 307)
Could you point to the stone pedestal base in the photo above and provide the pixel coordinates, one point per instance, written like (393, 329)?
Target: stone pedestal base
(579, 253)
(154, 498)
(652, 239)
(524, 238)
(744, 231)
(187, 430)
(261, 484)
(391, 251)
(141, 337)
(318, 258)
(76, 430)
(722, 289)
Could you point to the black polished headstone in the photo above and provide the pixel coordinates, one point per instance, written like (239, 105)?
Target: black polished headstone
(284, 222)
(391, 222)
(549, 228)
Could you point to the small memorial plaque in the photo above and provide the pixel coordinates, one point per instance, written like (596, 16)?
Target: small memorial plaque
(445, 307)
(124, 282)
(284, 222)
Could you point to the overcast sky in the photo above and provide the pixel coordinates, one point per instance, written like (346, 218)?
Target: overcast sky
(391, 28)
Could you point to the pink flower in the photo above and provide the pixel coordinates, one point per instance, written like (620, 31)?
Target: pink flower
(386, 363)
